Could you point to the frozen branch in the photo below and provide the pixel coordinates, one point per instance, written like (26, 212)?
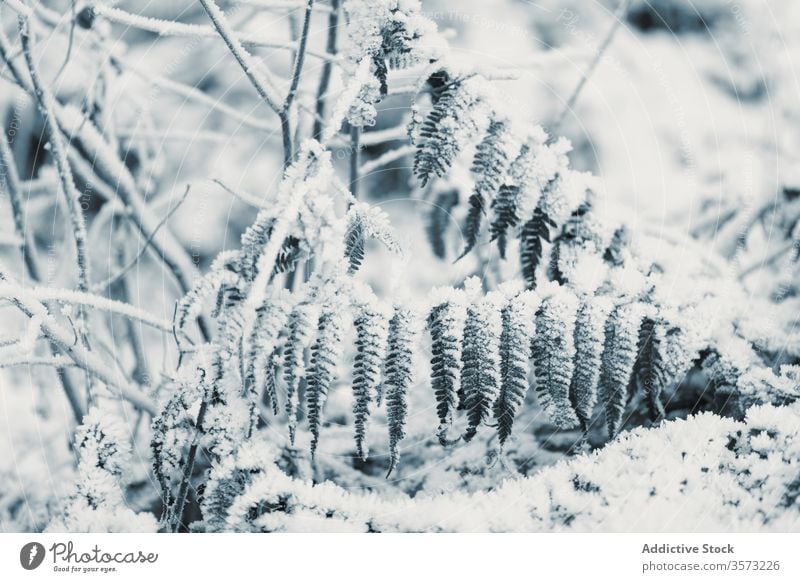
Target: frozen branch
(163, 27)
(47, 105)
(386, 158)
(619, 17)
(9, 291)
(65, 340)
(260, 81)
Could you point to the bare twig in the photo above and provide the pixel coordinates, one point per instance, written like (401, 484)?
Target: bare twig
(88, 300)
(327, 69)
(28, 250)
(245, 197)
(260, 81)
(297, 70)
(132, 263)
(355, 159)
(619, 17)
(386, 158)
(64, 339)
(47, 105)
(769, 260)
(182, 29)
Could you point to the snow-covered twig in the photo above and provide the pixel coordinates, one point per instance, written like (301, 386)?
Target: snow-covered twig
(182, 29)
(386, 158)
(193, 93)
(47, 105)
(619, 17)
(145, 245)
(768, 260)
(327, 69)
(88, 300)
(245, 197)
(297, 70)
(28, 250)
(258, 78)
(65, 340)
(48, 361)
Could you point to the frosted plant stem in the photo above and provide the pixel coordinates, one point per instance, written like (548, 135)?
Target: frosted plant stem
(89, 300)
(327, 69)
(355, 160)
(260, 82)
(47, 106)
(163, 27)
(31, 261)
(387, 158)
(133, 262)
(619, 16)
(285, 112)
(86, 360)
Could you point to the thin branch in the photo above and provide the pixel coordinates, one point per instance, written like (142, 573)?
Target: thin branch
(9, 291)
(300, 58)
(261, 82)
(245, 197)
(396, 133)
(327, 69)
(386, 158)
(12, 186)
(28, 250)
(47, 106)
(65, 340)
(57, 362)
(355, 159)
(122, 272)
(619, 16)
(285, 112)
(163, 27)
(771, 259)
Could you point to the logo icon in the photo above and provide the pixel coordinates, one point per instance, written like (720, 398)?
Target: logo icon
(31, 555)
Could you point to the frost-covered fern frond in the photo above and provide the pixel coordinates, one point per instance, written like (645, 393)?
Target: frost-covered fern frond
(457, 118)
(677, 341)
(366, 222)
(384, 34)
(372, 331)
(619, 358)
(535, 233)
(324, 353)
(222, 273)
(446, 327)
(263, 346)
(398, 379)
(228, 479)
(554, 355)
(480, 357)
(493, 156)
(515, 348)
(589, 341)
(301, 329)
